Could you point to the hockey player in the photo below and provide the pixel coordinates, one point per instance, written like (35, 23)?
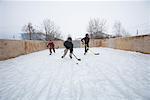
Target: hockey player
(85, 41)
(51, 46)
(69, 46)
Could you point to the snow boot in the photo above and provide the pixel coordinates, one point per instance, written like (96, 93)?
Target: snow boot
(85, 53)
(70, 56)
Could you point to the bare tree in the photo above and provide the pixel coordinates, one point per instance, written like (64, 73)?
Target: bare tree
(48, 27)
(57, 32)
(51, 30)
(29, 29)
(97, 27)
(125, 33)
(119, 30)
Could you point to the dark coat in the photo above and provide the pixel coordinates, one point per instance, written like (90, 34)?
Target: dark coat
(68, 45)
(86, 40)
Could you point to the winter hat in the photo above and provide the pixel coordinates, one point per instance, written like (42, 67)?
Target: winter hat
(69, 38)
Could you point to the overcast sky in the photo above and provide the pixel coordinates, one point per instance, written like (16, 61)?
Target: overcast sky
(72, 17)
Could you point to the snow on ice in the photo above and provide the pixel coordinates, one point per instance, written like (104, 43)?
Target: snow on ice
(112, 75)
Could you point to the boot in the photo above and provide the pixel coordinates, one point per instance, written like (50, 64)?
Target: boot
(70, 55)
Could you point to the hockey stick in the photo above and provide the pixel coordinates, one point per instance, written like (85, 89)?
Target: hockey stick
(93, 52)
(76, 57)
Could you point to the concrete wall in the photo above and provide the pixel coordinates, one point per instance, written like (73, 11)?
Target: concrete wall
(33, 46)
(93, 43)
(76, 43)
(14, 48)
(10, 48)
(59, 44)
(136, 43)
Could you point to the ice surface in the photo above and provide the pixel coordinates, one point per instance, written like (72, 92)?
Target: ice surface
(112, 75)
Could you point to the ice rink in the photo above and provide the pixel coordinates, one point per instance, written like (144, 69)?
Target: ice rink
(112, 75)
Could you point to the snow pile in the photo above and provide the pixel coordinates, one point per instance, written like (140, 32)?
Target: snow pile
(112, 75)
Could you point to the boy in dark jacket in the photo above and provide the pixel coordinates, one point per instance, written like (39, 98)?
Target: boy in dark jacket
(85, 41)
(51, 46)
(69, 46)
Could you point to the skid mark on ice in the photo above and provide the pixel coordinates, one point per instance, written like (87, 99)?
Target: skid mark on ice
(81, 91)
(121, 80)
(11, 89)
(59, 90)
(32, 86)
(94, 78)
(126, 82)
(112, 83)
(40, 92)
(115, 85)
(93, 75)
(84, 82)
(60, 80)
(130, 87)
(29, 85)
(13, 92)
(55, 80)
(51, 86)
(133, 89)
(49, 89)
(78, 88)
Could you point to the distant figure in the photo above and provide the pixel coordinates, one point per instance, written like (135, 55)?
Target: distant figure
(51, 46)
(69, 46)
(85, 42)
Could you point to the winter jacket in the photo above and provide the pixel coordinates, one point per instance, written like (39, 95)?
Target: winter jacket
(50, 44)
(86, 40)
(68, 45)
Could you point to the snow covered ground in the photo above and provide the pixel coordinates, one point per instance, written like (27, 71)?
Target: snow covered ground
(112, 75)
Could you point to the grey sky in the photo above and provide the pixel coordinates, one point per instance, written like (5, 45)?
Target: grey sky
(72, 17)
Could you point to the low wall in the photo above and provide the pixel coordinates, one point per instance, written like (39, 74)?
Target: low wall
(33, 46)
(59, 44)
(14, 48)
(11, 48)
(93, 43)
(135, 43)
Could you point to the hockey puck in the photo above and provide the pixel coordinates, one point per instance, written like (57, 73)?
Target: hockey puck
(77, 63)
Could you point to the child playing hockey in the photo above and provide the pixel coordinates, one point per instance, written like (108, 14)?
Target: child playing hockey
(69, 46)
(51, 46)
(85, 41)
